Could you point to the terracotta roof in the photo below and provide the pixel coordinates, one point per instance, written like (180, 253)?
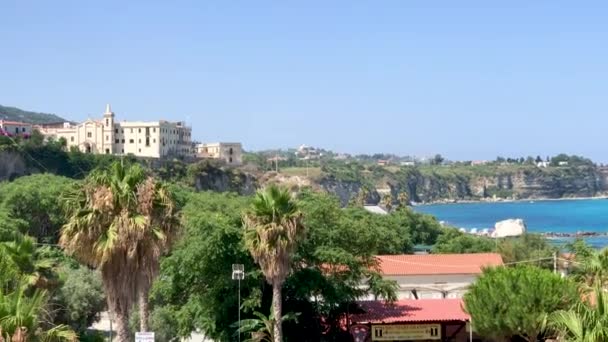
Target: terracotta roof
(411, 310)
(433, 264)
(6, 122)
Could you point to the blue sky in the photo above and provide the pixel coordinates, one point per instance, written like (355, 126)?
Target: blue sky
(468, 79)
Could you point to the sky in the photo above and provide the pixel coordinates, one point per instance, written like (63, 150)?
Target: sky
(468, 79)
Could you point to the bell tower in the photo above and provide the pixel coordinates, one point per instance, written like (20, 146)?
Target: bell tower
(108, 130)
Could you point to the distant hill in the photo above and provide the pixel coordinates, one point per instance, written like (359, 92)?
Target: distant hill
(16, 114)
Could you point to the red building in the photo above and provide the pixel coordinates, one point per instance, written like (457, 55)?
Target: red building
(411, 320)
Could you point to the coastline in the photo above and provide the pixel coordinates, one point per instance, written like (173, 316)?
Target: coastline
(506, 200)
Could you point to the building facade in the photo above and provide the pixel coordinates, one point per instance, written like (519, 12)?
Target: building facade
(230, 153)
(155, 139)
(15, 128)
(435, 276)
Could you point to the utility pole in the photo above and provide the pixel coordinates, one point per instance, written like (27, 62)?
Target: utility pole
(555, 262)
(276, 160)
(238, 274)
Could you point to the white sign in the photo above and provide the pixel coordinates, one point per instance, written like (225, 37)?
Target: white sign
(406, 332)
(144, 337)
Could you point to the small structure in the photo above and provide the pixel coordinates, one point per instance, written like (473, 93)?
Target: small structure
(434, 276)
(15, 128)
(375, 209)
(410, 320)
(563, 163)
(542, 164)
(510, 227)
(229, 152)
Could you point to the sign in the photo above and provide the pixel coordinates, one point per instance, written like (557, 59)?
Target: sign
(406, 332)
(144, 337)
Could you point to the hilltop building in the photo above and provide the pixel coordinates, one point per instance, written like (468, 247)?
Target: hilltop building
(15, 128)
(230, 153)
(155, 139)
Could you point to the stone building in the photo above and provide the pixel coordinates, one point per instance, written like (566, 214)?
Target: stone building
(154, 139)
(230, 153)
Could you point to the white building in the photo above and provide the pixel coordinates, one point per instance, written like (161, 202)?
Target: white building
(435, 276)
(15, 128)
(230, 153)
(155, 139)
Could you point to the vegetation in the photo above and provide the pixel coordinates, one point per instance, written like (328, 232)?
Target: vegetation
(16, 114)
(121, 221)
(587, 321)
(518, 301)
(273, 230)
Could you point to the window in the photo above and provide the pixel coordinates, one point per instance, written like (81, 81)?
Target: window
(23, 129)
(117, 141)
(116, 130)
(123, 141)
(230, 160)
(89, 135)
(147, 130)
(123, 151)
(131, 141)
(139, 130)
(72, 139)
(122, 131)
(107, 138)
(107, 151)
(154, 130)
(147, 141)
(107, 122)
(154, 141)
(140, 150)
(131, 130)
(140, 141)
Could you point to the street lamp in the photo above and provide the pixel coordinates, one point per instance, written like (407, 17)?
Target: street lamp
(238, 274)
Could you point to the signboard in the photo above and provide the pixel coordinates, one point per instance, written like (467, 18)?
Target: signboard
(144, 337)
(406, 332)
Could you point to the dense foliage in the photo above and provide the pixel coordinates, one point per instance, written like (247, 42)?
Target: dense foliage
(517, 301)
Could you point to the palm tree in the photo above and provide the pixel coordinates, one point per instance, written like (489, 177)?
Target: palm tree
(586, 322)
(260, 328)
(387, 202)
(121, 221)
(22, 317)
(273, 229)
(593, 269)
(403, 199)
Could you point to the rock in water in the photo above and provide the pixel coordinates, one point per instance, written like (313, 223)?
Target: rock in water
(510, 227)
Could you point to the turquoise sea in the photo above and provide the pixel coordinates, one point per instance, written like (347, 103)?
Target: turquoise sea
(563, 216)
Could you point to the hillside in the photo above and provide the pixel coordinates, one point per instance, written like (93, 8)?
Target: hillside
(16, 114)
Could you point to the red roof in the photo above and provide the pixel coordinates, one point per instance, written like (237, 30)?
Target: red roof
(15, 123)
(411, 310)
(434, 264)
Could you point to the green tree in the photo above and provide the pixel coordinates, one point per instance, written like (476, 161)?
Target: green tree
(79, 299)
(506, 302)
(404, 200)
(273, 229)
(121, 221)
(35, 200)
(587, 321)
(453, 241)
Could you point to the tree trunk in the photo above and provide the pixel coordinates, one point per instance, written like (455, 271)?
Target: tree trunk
(276, 311)
(144, 312)
(122, 327)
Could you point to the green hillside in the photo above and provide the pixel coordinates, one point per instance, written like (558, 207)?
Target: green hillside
(16, 114)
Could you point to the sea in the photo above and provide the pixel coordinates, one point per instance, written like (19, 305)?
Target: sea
(557, 216)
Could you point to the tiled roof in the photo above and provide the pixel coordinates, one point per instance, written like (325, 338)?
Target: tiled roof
(434, 264)
(411, 310)
(17, 123)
